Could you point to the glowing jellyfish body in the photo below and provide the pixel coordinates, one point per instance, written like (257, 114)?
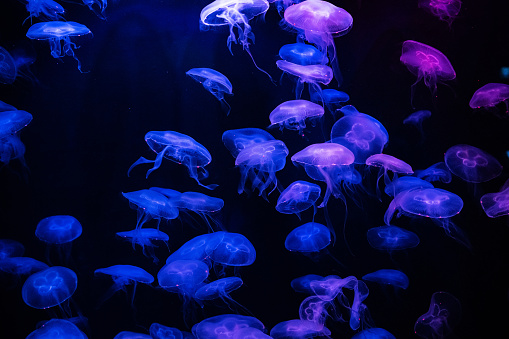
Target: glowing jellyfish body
(310, 74)
(58, 34)
(13, 121)
(302, 54)
(45, 10)
(131, 335)
(260, 162)
(390, 238)
(235, 14)
(144, 237)
(58, 229)
(203, 205)
(49, 287)
(332, 98)
(395, 278)
(158, 331)
(236, 140)
(302, 284)
(310, 237)
(151, 205)
(214, 82)
(218, 289)
(10, 248)
(298, 329)
(197, 248)
(472, 164)
(20, 266)
(11, 148)
(436, 172)
(179, 148)
(250, 333)
(292, 115)
(6, 107)
(445, 10)
(374, 333)
(8, 69)
(298, 197)
(496, 204)
(97, 6)
(225, 326)
(233, 249)
(182, 274)
(443, 315)
(405, 183)
(490, 95)
(57, 329)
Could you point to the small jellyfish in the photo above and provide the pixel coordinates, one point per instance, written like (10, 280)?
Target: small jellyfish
(445, 10)
(233, 249)
(205, 206)
(374, 333)
(332, 98)
(416, 119)
(489, 96)
(436, 172)
(391, 277)
(221, 289)
(214, 82)
(123, 276)
(298, 197)
(225, 326)
(49, 287)
(97, 6)
(391, 238)
(236, 140)
(59, 231)
(158, 331)
(144, 238)
(426, 63)
(496, 204)
(179, 148)
(302, 284)
(197, 248)
(310, 74)
(472, 164)
(388, 163)
(12, 148)
(57, 329)
(260, 162)
(10, 248)
(13, 66)
(298, 329)
(45, 10)
(302, 54)
(405, 183)
(235, 14)
(443, 315)
(292, 115)
(59, 34)
(20, 266)
(151, 205)
(310, 237)
(13, 121)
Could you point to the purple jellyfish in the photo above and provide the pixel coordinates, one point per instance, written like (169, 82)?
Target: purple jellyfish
(231, 249)
(444, 313)
(472, 164)
(426, 63)
(57, 328)
(56, 32)
(496, 204)
(445, 10)
(388, 163)
(10, 248)
(298, 329)
(236, 140)
(13, 121)
(311, 74)
(490, 95)
(214, 82)
(292, 115)
(221, 289)
(225, 326)
(298, 197)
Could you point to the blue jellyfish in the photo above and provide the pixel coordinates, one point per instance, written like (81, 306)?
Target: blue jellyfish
(10, 248)
(302, 284)
(236, 140)
(496, 204)
(391, 238)
(374, 333)
(12, 121)
(226, 325)
(436, 172)
(214, 82)
(332, 98)
(221, 289)
(13, 66)
(59, 231)
(259, 163)
(144, 238)
(415, 119)
(132, 335)
(292, 115)
(313, 75)
(151, 205)
(158, 331)
(298, 329)
(123, 276)
(12, 148)
(6, 107)
(302, 54)
(388, 163)
(20, 266)
(251, 333)
(233, 249)
(472, 164)
(57, 329)
(179, 148)
(59, 34)
(49, 287)
(197, 248)
(45, 10)
(443, 315)
(310, 237)
(97, 6)
(298, 197)
(405, 183)
(391, 277)
(205, 206)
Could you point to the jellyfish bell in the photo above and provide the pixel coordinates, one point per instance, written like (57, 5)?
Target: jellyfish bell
(313, 75)
(391, 238)
(472, 164)
(57, 329)
(331, 98)
(221, 289)
(197, 248)
(388, 163)
(298, 197)
(232, 249)
(445, 10)
(405, 183)
(391, 277)
(302, 54)
(158, 331)
(151, 205)
(12, 121)
(45, 10)
(214, 82)
(443, 315)
(293, 114)
(144, 237)
(302, 284)
(8, 69)
(298, 329)
(310, 237)
(436, 172)
(235, 140)
(489, 96)
(58, 229)
(496, 204)
(225, 326)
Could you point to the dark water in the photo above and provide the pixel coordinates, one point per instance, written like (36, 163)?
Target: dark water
(88, 129)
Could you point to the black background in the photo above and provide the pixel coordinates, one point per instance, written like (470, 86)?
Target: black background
(88, 129)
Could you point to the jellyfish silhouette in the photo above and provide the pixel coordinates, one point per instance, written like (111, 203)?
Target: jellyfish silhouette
(496, 204)
(123, 276)
(10, 248)
(97, 6)
(298, 329)
(57, 329)
(221, 289)
(310, 237)
(373, 333)
(445, 10)
(489, 96)
(472, 164)
(313, 75)
(298, 197)
(302, 54)
(292, 115)
(144, 238)
(59, 34)
(205, 206)
(59, 231)
(416, 119)
(302, 284)
(45, 10)
(179, 148)
(158, 331)
(13, 66)
(331, 98)
(235, 140)
(214, 82)
(391, 277)
(443, 315)
(405, 183)
(426, 63)
(436, 172)
(226, 325)
(259, 163)
(151, 205)
(231, 249)
(13, 121)
(390, 238)
(235, 14)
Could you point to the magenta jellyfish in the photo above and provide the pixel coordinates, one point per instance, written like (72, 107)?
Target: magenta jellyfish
(426, 63)
(151, 205)
(59, 34)
(236, 140)
(260, 162)
(445, 10)
(298, 197)
(314, 309)
(236, 15)
(496, 204)
(302, 54)
(390, 238)
(179, 148)
(45, 10)
(293, 114)
(214, 82)
(225, 326)
(310, 74)
(391, 277)
(489, 96)
(443, 315)
(298, 329)
(472, 164)
(144, 237)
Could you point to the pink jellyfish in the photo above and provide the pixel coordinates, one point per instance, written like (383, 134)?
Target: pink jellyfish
(445, 10)
(489, 96)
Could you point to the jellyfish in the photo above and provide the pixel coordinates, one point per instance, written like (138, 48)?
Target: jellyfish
(472, 164)
(225, 326)
(298, 329)
(97, 6)
(405, 183)
(292, 115)
(214, 82)
(298, 197)
(416, 120)
(197, 248)
(388, 163)
(12, 148)
(445, 10)
(332, 98)
(260, 162)
(250, 333)
(179, 148)
(158, 331)
(489, 96)
(236, 140)
(16, 268)
(13, 66)
(319, 22)
(391, 277)
(436, 172)
(10, 248)
(221, 289)
(59, 34)
(310, 237)
(59, 231)
(310, 74)
(235, 14)
(6, 107)
(13, 121)
(45, 10)
(57, 329)
(203, 205)
(144, 238)
(443, 315)
(496, 204)
(390, 238)
(151, 205)
(374, 333)
(131, 335)
(123, 276)
(233, 249)
(49, 287)
(426, 63)
(302, 54)
(302, 284)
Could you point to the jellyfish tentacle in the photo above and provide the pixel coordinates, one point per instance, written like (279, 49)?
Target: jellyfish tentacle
(141, 160)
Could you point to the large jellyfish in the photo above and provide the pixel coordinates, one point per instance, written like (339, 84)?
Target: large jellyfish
(57, 329)
(445, 10)
(45, 10)
(151, 205)
(310, 237)
(392, 277)
(298, 197)
(260, 162)
(144, 238)
(179, 148)
(59, 34)
(236, 140)
(426, 63)
(225, 326)
(472, 164)
(198, 248)
(443, 315)
(292, 115)
(235, 14)
(489, 96)
(496, 204)
(214, 82)
(311, 74)
(388, 163)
